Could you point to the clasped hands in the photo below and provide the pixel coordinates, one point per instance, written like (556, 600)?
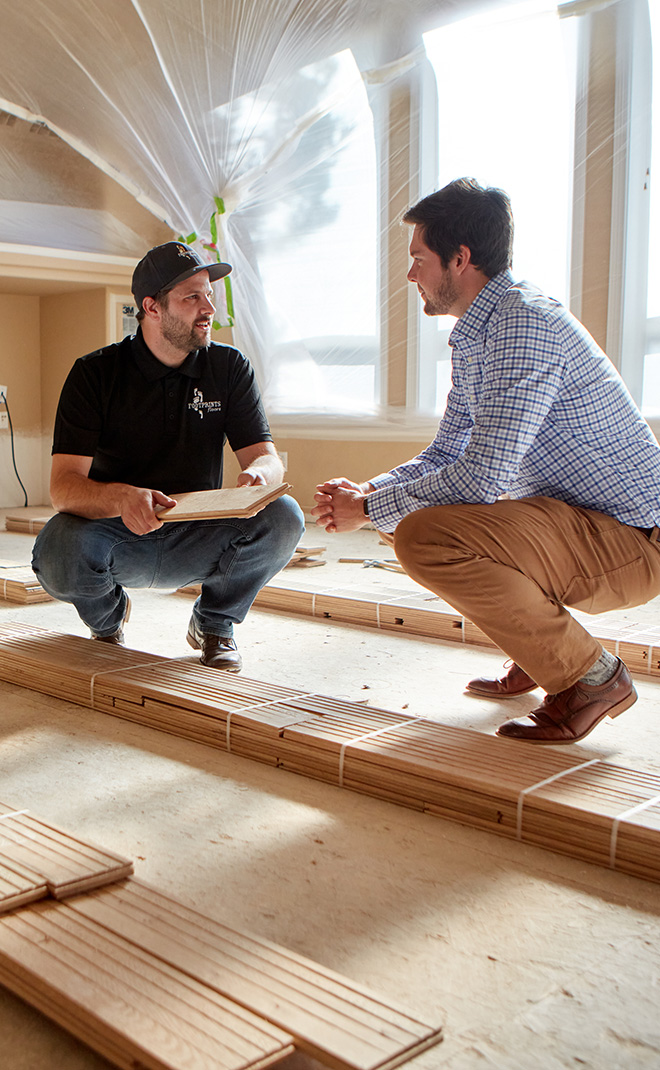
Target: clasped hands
(340, 505)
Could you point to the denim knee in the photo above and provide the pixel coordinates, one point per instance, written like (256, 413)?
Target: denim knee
(287, 519)
(62, 550)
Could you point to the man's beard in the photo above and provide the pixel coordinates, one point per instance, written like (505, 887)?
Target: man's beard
(180, 335)
(441, 300)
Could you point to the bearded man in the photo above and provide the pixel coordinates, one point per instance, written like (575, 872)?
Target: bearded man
(139, 422)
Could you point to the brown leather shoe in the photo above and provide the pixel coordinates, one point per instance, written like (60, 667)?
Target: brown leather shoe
(117, 638)
(515, 682)
(218, 651)
(574, 713)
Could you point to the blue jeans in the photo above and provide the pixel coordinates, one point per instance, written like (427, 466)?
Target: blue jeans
(89, 562)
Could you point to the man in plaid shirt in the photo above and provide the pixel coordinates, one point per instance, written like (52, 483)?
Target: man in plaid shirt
(541, 489)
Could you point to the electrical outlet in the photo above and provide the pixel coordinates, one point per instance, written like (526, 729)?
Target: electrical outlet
(3, 391)
(4, 421)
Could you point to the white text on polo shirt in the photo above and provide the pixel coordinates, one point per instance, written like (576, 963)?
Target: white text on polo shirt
(199, 405)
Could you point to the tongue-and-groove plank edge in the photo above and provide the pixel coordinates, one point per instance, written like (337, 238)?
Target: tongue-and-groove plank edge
(133, 1008)
(342, 1024)
(153, 984)
(546, 796)
(39, 859)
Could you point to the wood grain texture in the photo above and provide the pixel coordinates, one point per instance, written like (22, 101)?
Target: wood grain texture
(605, 814)
(225, 502)
(339, 1022)
(130, 1006)
(64, 863)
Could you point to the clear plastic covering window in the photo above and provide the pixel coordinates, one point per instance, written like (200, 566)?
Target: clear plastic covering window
(311, 224)
(509, 124)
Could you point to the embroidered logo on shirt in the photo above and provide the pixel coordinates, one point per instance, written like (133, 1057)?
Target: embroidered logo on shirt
(199, 405)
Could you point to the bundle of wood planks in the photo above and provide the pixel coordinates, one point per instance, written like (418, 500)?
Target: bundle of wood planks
(18, 583)
(596, 811)
(149, 982)
(38, 859)
(29, 519)
(423, 614)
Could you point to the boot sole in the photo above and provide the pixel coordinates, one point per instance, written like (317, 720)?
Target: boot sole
(504, 694)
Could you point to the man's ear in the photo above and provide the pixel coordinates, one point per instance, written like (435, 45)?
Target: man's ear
(151, 308)
(462, 259)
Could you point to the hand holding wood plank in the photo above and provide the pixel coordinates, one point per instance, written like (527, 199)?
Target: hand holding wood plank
(242, 501)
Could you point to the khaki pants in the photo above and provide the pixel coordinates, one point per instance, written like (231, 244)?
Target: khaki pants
(512, 566)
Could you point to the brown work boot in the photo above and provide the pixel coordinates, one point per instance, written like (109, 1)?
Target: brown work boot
(218, 651)
(574, 713)
(515, 682)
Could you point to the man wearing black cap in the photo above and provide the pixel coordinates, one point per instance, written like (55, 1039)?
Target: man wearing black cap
(142, 420)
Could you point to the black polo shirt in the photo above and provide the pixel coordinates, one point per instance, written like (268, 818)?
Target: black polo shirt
(152, 426)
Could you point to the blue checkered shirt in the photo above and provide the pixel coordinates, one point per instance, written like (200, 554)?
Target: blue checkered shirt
(535, 408)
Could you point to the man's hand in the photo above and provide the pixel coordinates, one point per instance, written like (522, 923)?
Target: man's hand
(72, 491)
(138, 508)
(260, 465)
(340, 507)
(251, 477)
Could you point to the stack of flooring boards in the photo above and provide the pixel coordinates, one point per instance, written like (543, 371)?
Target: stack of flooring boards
(18, 583)
(595, 811)
(39, 859)
(150, 983)
(29, 519)
(423, 614)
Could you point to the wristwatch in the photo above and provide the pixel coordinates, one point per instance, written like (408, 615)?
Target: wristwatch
(365, 506)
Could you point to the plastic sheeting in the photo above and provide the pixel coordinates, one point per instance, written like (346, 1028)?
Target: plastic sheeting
(258, 126)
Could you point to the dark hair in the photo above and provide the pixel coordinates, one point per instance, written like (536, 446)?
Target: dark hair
(464, 213)
(162, 298)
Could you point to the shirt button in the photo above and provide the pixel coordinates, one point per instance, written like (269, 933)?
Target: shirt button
(171, 416)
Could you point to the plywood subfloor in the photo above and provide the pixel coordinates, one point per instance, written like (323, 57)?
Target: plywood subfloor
(529, 958)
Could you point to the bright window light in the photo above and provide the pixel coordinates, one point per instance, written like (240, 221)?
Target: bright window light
(506, 117)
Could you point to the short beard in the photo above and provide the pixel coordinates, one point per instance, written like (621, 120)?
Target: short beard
(441, 300)
(179, 335)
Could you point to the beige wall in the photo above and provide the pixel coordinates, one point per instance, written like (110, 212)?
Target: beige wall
(72, 324)
(20, 372)
(20, 362)
(40, 337)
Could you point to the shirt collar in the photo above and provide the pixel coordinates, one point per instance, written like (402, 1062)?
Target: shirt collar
(154, 369)
(474, 320)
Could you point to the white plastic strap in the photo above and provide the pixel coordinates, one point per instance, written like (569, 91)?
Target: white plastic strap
(650, 661)
(127, 668)
(262, 706)
(14, 813)
(541, 784)
(370, 735)
(623, 817)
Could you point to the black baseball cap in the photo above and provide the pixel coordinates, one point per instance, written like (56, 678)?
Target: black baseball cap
(166, 265)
